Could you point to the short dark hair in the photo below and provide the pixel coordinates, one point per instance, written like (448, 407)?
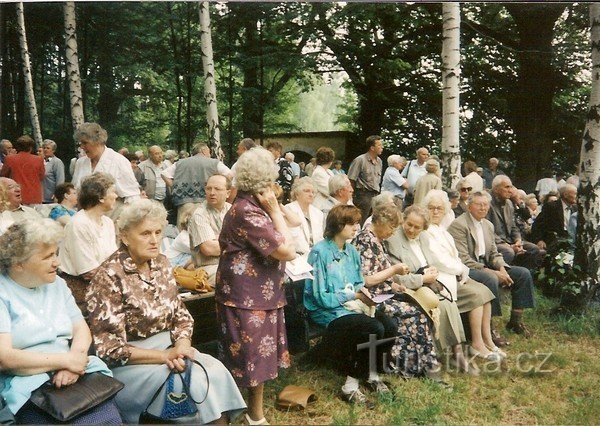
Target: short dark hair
(131, 157)
(340, 216)
(324, 155)
(62, 190)
(93, 189)
(25, 143)
(275, 145)
(372, 139)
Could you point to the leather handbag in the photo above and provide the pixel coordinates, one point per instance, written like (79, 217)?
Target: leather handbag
(177, 408)
(6, 416)
(196, 280)
(66, 403)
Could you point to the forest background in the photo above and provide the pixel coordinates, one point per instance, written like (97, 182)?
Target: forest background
(297, 67)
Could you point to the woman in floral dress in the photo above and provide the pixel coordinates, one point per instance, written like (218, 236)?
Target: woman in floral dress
(413, 353)
(255, 243)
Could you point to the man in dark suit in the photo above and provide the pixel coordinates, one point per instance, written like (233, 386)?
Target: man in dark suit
(509, 243)
(475, 241)
(553, 221)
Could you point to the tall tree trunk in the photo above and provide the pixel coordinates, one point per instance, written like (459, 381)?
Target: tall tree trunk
(35, 123)
(210, 90)
(250, 93)
(189, 82)
(532, 107)
(451, 93)
(72, 59)
(587, 253)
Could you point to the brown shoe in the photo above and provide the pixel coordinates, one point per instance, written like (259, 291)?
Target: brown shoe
(519, 328)
(498, 339)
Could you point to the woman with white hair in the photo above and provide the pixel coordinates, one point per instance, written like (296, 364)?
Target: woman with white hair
(142, 329)
(472, 297)
(310, 231)
(255, 243)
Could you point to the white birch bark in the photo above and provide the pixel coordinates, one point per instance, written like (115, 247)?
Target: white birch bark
(33, 115)
(72, 58)
(450, 93)
(210, 90)
(588, 238)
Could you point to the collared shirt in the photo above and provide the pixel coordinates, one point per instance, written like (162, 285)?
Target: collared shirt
(153, 179)
(337, 277)
(393, 181)
(117, 166)
(205, 225)
(55, 175)
(366, 172)
(127, 305)
(480, 238)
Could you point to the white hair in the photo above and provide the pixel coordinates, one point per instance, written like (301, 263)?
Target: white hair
(437, 195)
(134, 213)
(337, 182)
(255, 170)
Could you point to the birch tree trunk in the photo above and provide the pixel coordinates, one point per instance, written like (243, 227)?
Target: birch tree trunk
(210, 90)
(33, 115)
(450, 93)
(587, 252)
(72, 58)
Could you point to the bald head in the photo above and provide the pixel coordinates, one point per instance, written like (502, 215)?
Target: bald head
(13, 192)
(422, 155)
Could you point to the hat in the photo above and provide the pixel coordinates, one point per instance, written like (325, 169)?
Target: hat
(428, 301)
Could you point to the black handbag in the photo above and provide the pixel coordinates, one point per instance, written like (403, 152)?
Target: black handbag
(178, 408)
(66, 403)
(6, 416)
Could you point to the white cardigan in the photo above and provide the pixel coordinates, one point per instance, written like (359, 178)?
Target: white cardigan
(301, 234)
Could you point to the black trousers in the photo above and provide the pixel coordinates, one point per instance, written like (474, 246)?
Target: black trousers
(362, 200)
(345, 333)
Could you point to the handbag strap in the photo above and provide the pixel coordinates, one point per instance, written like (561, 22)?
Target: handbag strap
(186, 386)
(451, 298)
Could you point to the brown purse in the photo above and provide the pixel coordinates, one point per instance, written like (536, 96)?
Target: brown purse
(196, 280)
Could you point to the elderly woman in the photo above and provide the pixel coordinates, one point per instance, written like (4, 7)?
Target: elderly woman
(310, 230)
(141, 327)
(532, 204)
(321, 175)
(411, 246)
(43, 335)
(255, 243)
(472, 297)
(90, 236)
(99, 158)
(337, 282)
(66, 196)
(464, 190)
(414, 349)
(385, 198)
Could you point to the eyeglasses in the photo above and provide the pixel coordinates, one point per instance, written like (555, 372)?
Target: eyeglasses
(470, 188)
(436, 208)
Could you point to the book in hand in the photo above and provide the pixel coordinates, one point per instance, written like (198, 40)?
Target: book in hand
(376, 298)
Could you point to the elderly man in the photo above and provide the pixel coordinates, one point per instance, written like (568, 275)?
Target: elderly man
(55, 170)
(154, 185)
(491, 172)
(6, 148)
(26, 169)
(187, 179)
(16, 210)
(393, 181)
(100, 158)
(290, 157)
(514, 250)
(427, 182)
(206, 222)
(413, 171)
(552, 224)
(475, 241)
(340, 190)
(365, 175)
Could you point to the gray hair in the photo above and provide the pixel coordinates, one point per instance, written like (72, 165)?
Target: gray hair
(386, 197)
(498, 180)
(50, 143)
(420, 211)
(460, 184)
(437, 195)
(432, 166)
(23, 239)
(337, 182)
(170, 154)
(136, 212)
(92, 132)
(395, 158)
(529, 198)
(290, 156)
(479, 194)
(255, 170)
(199, 147)
(387, 214)
(566, 187)
(300, 184)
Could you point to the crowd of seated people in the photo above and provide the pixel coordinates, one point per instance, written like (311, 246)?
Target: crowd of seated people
(406, 275)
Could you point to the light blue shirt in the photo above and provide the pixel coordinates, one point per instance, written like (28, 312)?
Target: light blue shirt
(393, 181)
(333, 270)
(41, 320)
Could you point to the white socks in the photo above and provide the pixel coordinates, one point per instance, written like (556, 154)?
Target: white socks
(351, 385)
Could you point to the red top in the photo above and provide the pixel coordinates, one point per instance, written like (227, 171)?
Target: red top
(28, 171)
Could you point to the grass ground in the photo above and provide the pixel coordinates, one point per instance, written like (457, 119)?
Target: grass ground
(551, 378)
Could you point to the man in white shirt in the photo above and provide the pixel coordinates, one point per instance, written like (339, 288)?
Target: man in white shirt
(414, 170)
(393, 181)
(295, 166)
(100, 158)
(206, 222)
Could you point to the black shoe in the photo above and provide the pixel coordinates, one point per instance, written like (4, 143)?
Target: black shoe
(519, 328)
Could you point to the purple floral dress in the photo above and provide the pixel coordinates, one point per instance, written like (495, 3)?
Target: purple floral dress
(250, 296)
(413, 352)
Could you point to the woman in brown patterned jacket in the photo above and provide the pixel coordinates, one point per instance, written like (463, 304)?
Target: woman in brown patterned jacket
(141, 327)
